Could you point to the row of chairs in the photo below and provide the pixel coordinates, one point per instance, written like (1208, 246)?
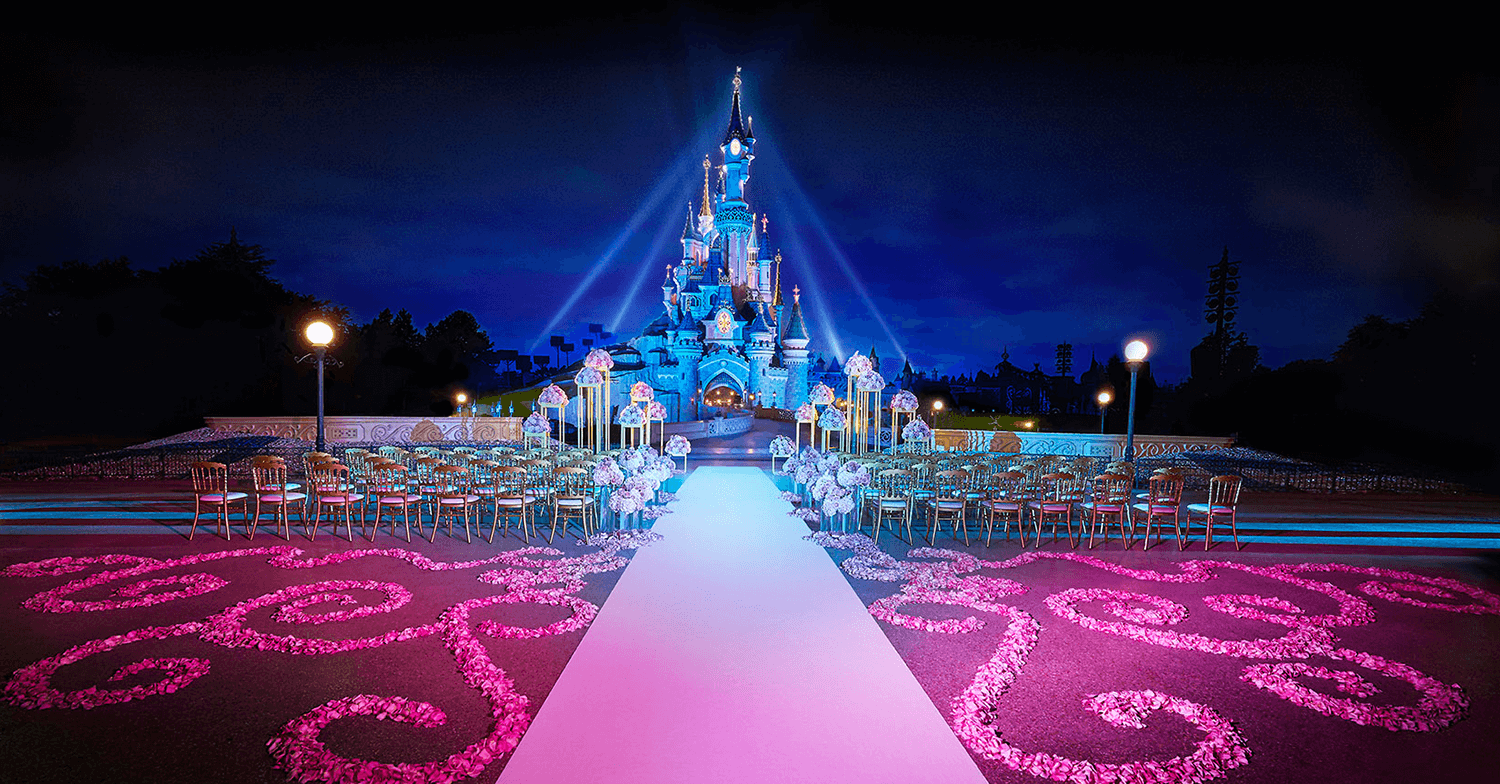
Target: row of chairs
(1031, 493)
(445, 489)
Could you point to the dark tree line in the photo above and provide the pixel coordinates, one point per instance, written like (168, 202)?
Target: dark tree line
(1410, 394)
(109, 350)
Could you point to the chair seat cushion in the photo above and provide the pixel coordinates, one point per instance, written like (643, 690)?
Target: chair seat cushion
(892, 503)
(1050, 506)
(457, 500)
(339, 498)
(219, 498)
(1006, 506)
(393, 500)
(281, 498)
(949, 505)
(1204, 509)
(1110, 507)
(1156, 508)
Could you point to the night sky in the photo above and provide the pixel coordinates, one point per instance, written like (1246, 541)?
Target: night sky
(977, 193)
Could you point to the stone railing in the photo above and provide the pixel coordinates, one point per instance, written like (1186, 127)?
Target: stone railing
(1082, 444)
(374, 429)
(731, 425)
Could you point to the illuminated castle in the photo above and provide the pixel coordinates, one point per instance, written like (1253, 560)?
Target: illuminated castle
(724, 333)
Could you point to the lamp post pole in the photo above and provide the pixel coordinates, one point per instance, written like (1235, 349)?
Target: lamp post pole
(1135, 355)
(1104, 398)
(320, 352)
(319, 334)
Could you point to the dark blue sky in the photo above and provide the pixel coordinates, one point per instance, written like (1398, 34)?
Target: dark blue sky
(984, 193)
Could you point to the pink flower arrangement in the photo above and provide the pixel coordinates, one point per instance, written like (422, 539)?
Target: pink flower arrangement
(916, 430)
(641, 392)
(656, 411)
(607, 473)
(781, 446)
(820, 395)
(599, 360)
(552, 397)
(588, 376)
(857, 365)
(677, 446)
(870, 381)
(631, 416)
(904, 402)
(536, 425)
(807, 412)
(832, 419)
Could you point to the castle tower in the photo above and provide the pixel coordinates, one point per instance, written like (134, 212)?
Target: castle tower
(732, 216)
(794, 342)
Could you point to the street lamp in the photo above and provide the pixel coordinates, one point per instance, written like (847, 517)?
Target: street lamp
(1135, 355)
(462, 399)
(319, 334)
(937, 408)
(1104, 398)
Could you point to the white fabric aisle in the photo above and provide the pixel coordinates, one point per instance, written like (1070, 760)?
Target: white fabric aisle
(734, 651)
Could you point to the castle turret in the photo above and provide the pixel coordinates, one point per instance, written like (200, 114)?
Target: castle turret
(732, 216)
(794, 342)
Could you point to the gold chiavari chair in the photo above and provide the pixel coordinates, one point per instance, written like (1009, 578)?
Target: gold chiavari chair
(1163, 498)
(211, 490)
(513, 498)
(454, 495)
(573, 497)
(949, 502)
(272, 491)
(332, 489)
(1005, 499)
(1223, 502)
(891, 497)
(1109, 496)
(389, 484)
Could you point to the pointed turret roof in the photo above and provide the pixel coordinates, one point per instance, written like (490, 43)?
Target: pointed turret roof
(795, 328)
(689, 231)
(736, 128)
(670, 282)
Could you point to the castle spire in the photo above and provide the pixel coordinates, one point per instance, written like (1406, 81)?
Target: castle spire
(736, 128)
(705, 211)
(776, 296)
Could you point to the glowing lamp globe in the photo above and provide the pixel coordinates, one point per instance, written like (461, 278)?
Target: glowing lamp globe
(462, 398)
(1104, 398)
(319, 334)
(1135, 350)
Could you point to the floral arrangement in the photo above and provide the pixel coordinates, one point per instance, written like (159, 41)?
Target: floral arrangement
(820, 395)
(607, 473)
(807, 412)
(677, 446)
(904, 402)
(832, 419)
(599, 359)
(870, 381)
(781, 446)
(656, 411)
(589, 376)
(536, 425)
(858, 365)
(916, 430)
(553, 397)
(631, 416)
(641, 392)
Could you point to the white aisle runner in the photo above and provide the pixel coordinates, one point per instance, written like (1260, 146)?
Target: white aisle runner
(734, 651)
